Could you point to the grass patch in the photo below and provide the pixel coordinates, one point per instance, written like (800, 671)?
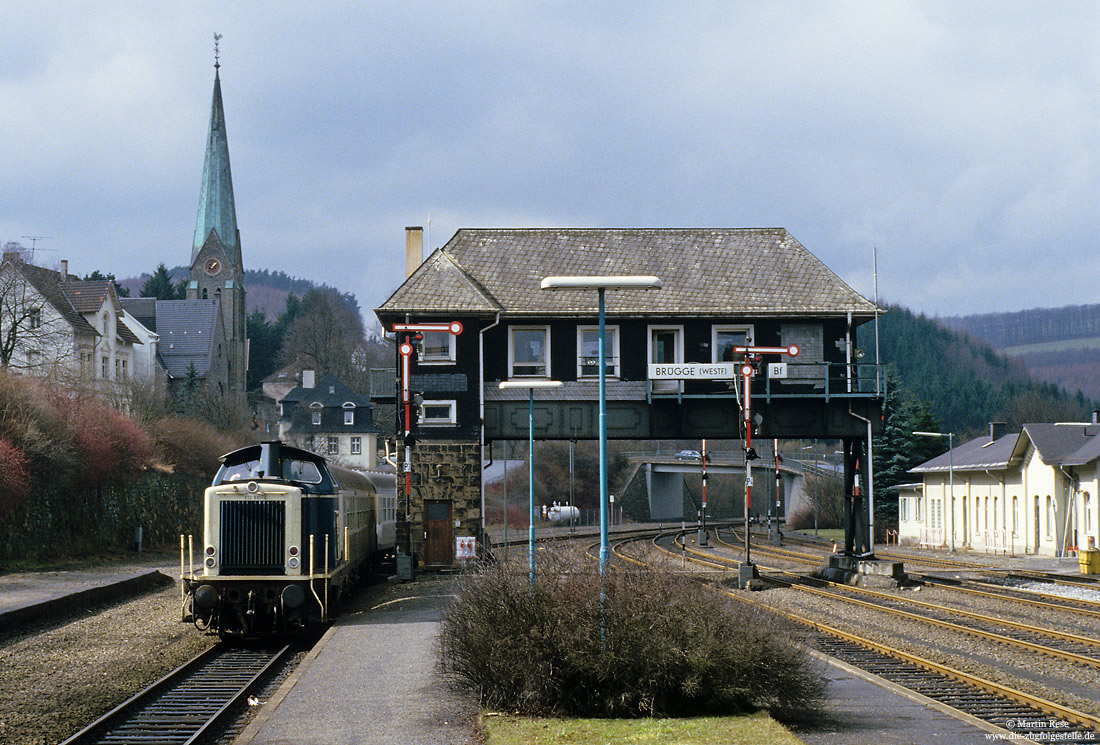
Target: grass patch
(829, 534)
(752, 729)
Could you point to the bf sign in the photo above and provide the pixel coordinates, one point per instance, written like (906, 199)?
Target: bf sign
(777, 370)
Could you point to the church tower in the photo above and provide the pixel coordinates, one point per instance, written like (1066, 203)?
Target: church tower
(217, 272)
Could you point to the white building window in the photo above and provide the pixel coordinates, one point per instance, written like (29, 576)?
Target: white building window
(529, 352)
(724, 338)
(356, 445)
(438, 348)
(1050, 517)
(333, 445)
(438, 413)
(104, 369)
(349, 416)
(588, 351)
(665, 345)
(315, 417)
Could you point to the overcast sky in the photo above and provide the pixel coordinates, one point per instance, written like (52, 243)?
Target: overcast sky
(960, 139)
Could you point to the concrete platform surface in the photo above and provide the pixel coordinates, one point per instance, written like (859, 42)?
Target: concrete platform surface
(372, 680)
(25, 596)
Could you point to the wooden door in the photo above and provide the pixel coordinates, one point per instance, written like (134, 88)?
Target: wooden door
(438, 533)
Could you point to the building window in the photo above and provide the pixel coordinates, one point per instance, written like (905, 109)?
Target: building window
(437, 348)
(665, 346)
(356, 445)
(125, 372)
(438, 413)
(1015, 514)
(103, 367)
(723, 339)
(35, 317)
(1088, 512)
(529, 352)
(333, 445)
(315, 417)
(588, 351)
(349, 416)
(1050, 517)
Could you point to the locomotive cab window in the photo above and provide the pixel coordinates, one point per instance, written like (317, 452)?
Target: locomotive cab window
(301, 470)
(241, 471)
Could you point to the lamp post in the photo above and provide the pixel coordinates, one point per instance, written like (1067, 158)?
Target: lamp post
(530, 385)
(950, 474)
(602, 284)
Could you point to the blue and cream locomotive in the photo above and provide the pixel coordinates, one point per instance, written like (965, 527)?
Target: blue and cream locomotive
(286, 535)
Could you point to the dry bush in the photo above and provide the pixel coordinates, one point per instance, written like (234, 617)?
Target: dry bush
(190, 447)
(662, 646)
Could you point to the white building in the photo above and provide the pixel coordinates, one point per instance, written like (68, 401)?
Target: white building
(1029, 492)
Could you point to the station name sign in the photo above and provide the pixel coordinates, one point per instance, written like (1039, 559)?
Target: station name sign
(693, 371)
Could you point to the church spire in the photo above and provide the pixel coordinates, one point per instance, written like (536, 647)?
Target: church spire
(217, 212)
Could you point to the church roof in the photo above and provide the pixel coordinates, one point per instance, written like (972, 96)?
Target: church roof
(705, 272)
(217, 212)
(186, 330)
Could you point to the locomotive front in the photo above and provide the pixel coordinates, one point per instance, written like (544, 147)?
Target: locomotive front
(280, 543)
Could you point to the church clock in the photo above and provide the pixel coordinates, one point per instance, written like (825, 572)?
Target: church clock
(212, 267)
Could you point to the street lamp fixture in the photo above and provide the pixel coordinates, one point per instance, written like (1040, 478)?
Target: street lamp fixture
(601, 285)
(531, 386)
(950, 474)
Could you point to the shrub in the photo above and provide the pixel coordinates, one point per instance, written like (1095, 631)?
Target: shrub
(190, 447)
(663, 646)
(13, 475)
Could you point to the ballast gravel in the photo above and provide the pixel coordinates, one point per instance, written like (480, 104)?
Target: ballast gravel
(55, 681)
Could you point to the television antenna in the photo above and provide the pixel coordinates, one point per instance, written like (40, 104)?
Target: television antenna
(34, 243)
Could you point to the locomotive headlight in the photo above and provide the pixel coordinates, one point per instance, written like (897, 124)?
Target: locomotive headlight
(210, 562)
(293, 550)
(211, 551)
(292, 562)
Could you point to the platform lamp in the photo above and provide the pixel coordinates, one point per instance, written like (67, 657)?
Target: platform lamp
(531, 386)
(950, 474)
(601, 285)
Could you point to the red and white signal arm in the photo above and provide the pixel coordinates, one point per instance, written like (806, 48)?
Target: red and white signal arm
(452, 327)
(465, 547)
(791, 350)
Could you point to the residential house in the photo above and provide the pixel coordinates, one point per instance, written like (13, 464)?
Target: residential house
(331, 420)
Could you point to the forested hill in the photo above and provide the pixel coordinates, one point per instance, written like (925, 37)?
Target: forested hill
(1038, 325)
(965, 382)
(266, 290)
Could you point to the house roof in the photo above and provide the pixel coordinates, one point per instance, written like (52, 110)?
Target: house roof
(330, 393)
(979, 454)
(143, 309)
(49, 284)
(186, 329)
(1059, 444)
(719, 272)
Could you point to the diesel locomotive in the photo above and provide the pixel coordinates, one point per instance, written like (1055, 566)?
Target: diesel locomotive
(285, 537)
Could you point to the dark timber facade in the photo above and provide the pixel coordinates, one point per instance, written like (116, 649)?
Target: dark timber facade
(720, 288)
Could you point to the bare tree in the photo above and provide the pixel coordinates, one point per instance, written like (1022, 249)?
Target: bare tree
(326, 334)
(34, 336)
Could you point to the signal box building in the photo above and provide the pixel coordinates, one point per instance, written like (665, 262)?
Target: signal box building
(721, 288)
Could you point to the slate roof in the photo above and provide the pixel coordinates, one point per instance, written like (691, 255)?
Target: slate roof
(48, 282)
(143, 309)
(719, 272)
(978, 454)
(332, 394)
(1061, 444)
(186, 329)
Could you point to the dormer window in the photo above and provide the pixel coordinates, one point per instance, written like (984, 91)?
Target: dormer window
(315, 413)
(349, 413)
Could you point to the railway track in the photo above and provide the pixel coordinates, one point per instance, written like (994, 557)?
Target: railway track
(188, 703)
(1003, 709)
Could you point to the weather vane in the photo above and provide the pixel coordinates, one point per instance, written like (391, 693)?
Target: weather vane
(217, 38)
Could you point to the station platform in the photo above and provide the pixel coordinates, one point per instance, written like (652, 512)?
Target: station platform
(26, 596)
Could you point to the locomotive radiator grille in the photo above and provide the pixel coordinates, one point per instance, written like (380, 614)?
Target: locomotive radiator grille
(253, 537)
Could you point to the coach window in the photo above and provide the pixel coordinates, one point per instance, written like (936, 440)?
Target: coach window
(588, 351)
(529, 352)
(723, 339)
(438, 348)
